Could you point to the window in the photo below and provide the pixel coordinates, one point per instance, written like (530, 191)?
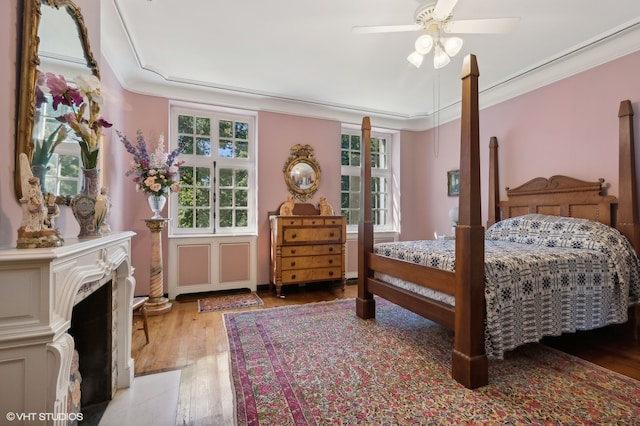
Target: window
(217, 179)
(62, 175)
(381, 178)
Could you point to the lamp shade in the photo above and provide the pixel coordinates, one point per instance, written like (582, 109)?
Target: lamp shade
(453, 214)
(415, 59)
(423, 44)
(440, 58)
(451, 45)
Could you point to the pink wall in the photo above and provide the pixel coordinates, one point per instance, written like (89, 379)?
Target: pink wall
(277, 133)
(569, 127)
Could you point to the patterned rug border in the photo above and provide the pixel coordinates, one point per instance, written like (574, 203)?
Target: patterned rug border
(229, 301)
(588, 379)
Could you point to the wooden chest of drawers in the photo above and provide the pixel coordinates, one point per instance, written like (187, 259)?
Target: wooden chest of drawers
(306, 249)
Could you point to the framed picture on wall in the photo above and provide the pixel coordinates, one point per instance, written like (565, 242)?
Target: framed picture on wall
(453, 183)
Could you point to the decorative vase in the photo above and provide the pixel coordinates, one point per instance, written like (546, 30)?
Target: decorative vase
(156, 203)
(87, 212)
(40, 171)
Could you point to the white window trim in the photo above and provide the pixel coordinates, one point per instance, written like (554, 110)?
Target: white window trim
(392, 174)
(250, 163)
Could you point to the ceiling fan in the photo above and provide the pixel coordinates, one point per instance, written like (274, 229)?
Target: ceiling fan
(435, 18)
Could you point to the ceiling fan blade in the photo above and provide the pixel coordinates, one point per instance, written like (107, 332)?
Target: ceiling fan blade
(488, 26)
(443, 9)
(386, 29)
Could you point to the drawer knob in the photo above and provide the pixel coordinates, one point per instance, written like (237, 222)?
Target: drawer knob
(293, 263)
(331, 234)
(330, 273)
(293, 252)
(330, 248)
(294, 235)
(330, 260)
(293, 277)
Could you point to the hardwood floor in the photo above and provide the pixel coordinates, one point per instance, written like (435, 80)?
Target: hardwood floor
(196, 344)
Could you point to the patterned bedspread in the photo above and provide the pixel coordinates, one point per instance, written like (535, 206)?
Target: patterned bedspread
(544, 275)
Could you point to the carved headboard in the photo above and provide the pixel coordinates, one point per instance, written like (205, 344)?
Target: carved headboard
(560, 196)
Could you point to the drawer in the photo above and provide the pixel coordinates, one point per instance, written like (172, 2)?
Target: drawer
(312, 221)
(333, 221)
(302, 235)
(290, 221)
(311, 250)
(303, 275)
(311, 262)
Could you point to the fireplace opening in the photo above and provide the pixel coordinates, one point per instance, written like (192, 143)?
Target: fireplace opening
(91, 329)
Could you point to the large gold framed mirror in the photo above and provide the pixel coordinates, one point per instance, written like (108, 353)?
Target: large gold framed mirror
(302, 172)
(54, 39)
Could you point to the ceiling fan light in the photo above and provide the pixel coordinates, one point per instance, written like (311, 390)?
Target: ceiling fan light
(440, 58)
(452, 45)
(415, 59)
(424, 43)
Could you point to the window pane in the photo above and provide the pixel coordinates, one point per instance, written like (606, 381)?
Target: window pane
(185, 197)
(185, 218)
(344, 143)
(355, 143)
(185, 124)
(242, 130)
(242, 150)
(225, 148)
(226, 218)
(242, 198)
(242, 218)
(202, 197)
(225, 129)
(203, 147)
(344, 200)
(355, 159)
(202, 218)
(226, 197)
(242, 178)
(344, 183)
(226, 178)
(203, 126)
(355, 183)
(186, 176)
(344, 158)
(354, 201)
(187, 144)
(203, 176)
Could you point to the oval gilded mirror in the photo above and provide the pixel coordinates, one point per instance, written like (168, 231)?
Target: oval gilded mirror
(54, 39)
(302, 172)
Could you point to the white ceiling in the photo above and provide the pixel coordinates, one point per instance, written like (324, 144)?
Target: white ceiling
(301, 56)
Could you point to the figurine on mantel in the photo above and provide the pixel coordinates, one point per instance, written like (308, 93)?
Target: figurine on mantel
(34, 231)
(324, 207)
(286, 209)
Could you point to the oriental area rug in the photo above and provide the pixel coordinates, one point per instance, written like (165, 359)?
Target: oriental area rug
(229, 301)
(319, 364)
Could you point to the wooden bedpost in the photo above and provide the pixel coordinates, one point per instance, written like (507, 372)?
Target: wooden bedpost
(365, 304)
(469, 365)
(627, 218)
(494, 185)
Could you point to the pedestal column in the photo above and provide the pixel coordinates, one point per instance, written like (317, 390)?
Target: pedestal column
(157, 304)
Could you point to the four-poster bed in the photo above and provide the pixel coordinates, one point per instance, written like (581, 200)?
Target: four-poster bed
(464, 281)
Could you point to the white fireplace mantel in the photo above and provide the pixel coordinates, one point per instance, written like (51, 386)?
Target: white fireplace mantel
(38, 289)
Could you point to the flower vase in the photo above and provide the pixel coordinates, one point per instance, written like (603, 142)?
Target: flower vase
(156, 203)
(89, 213)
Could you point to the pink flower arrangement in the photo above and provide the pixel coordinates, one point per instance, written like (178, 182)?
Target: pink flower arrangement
(156, 172)
(85, 102)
